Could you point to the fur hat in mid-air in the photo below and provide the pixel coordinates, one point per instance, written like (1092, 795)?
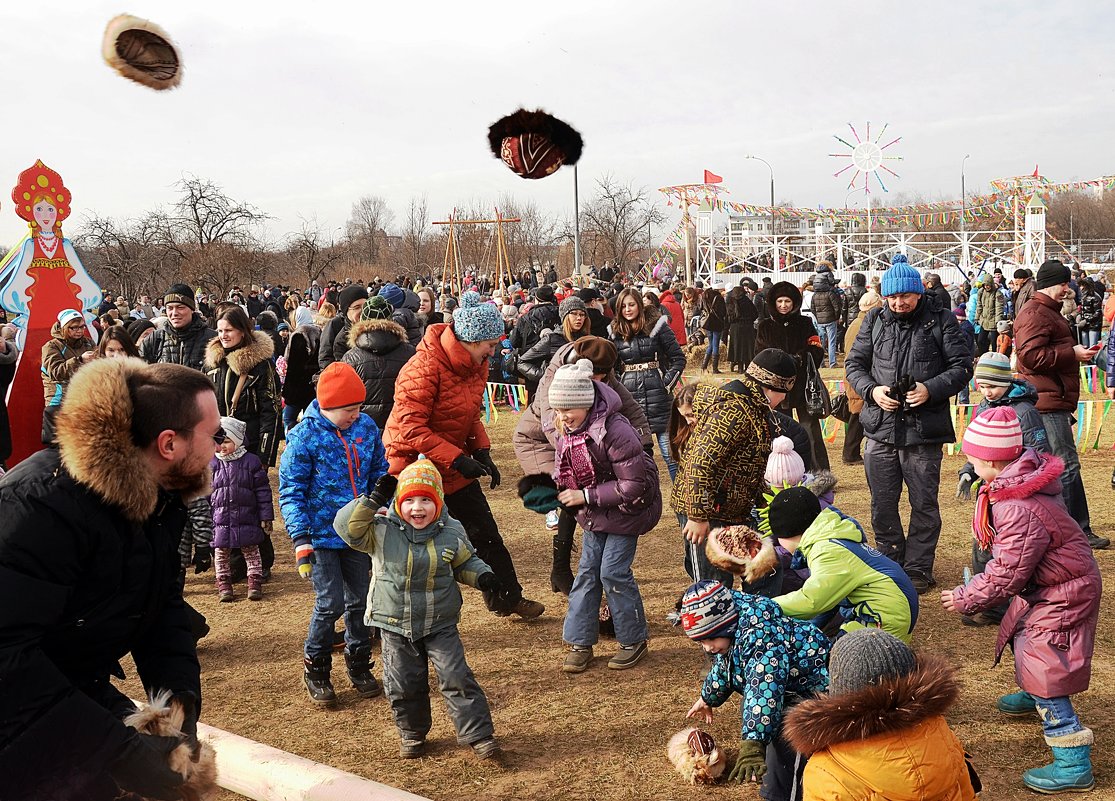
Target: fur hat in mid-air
(141, 51)
(534, 144)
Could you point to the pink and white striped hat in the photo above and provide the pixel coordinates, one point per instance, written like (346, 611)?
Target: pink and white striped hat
(995, 436)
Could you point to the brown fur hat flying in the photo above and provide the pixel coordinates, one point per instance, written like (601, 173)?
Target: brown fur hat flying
(141, 51)
(164, 716)
(534, 144)
(695, 756)
(741, 551)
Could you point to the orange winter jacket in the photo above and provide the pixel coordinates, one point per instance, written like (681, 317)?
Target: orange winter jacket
(438, 396)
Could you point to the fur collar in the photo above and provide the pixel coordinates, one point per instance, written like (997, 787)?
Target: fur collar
(822, 483)
(1026, 476)
(242, 360)
(94, 430)
(369, 326)
(892, 706)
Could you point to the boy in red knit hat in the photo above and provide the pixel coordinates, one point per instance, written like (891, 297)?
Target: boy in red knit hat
(333, 455)
(419, 554)
(1041, 560)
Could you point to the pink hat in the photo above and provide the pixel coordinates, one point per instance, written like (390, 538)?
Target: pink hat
(995, 436)
(784, 467)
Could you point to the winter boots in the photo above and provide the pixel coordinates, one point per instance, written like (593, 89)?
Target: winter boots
(318, 683)
(708, 358)
(1018, 705)
(561, 576)
(224, 589)
(360, 672)
(716, 363)
(255, 588)
(1071, 771)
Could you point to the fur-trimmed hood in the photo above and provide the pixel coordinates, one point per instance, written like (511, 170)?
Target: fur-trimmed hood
(94, 432)
(242, 360)
(377, 336)
(1029, 474)
(889, 707)
(822, 483)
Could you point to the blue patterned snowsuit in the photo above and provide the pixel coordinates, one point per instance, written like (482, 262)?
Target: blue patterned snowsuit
(772, 656)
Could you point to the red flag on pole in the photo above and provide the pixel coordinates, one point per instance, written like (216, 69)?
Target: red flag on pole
(712, 178)
(1035, 171)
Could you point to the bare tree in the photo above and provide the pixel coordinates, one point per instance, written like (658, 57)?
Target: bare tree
(614, 222)
(312, 252)
(206, 215)
(131, 255)
(415, 234)
(367, 227)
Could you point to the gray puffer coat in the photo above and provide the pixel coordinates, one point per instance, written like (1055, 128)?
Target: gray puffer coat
(650, 386)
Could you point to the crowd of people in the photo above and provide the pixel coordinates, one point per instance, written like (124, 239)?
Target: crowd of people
(161, 425)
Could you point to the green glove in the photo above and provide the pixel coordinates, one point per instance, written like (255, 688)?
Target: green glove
(541, 499)
(751, 763)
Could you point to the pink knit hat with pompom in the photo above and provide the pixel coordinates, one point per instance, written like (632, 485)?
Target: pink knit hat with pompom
(995, 435)
(784, 467)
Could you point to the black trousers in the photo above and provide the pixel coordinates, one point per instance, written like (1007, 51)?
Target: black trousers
(853, 440)
(471, 508)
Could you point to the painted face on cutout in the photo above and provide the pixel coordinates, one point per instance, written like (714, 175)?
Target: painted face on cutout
(45, 215)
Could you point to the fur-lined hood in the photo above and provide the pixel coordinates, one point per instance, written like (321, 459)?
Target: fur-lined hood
(822, 483)
(891, 706)
(94, 432)
(242, 360)
(376, 335)
(1029, 474)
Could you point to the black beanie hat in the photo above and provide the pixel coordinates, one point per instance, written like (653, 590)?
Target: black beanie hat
(774, 369)
(180, 293)
(1021, 274)
(545, 294)
(349, 295)
(792, 511)
(1052, 273)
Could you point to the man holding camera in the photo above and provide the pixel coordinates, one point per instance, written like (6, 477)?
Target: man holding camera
(909, 358)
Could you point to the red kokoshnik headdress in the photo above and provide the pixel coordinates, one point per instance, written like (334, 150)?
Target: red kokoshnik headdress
(40, 180)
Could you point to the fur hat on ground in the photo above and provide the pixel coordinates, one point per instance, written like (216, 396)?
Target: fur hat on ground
(695, 756)
(774, 369)
(572, 386)
(393, 294)
(476, 321)
(708, 610)
(534, 144)
(420, 479)
(866, 657)
(163, 716)
(741, 551)
(993, 370)
(901, 278)
(995, 435)
(234, 429)
(785, 467)
(180, 293)
(339, 385)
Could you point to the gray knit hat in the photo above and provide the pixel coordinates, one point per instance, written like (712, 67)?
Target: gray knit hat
(867, 657)
(570, 304)
(572, 386)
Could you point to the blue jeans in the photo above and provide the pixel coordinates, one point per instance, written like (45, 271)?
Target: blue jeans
(605, 568)
(664, 448)
(713, 348)
(1058, 718)
(341, 580)
(1058, 428)
(697, 565)
(290, 416)
(1089, 337)
(829, 334)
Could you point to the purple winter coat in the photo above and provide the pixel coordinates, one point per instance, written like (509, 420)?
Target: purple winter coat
(626, 498)
(241, 501)
(1041, 557)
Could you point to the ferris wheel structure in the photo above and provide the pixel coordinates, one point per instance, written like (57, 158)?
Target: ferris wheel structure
(868, 157)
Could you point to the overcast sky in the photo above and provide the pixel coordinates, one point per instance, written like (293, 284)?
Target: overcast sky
(301, 107)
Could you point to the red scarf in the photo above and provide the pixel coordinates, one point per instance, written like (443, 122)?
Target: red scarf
(982, 528)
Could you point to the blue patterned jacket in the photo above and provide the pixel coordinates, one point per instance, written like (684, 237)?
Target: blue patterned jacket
(772, 655)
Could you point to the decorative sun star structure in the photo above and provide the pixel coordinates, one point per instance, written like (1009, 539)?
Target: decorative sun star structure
(867, 157)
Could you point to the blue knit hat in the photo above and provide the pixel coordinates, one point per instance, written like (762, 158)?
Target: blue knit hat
(708, 610)
(901, 278)
(476, 321)
(393, 294)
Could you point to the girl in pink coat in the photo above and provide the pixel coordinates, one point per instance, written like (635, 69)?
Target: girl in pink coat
(1041, 559)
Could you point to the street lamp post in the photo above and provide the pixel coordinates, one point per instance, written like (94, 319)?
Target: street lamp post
(774, 239)
(963, 215)
(1071, 202)
(576, 226)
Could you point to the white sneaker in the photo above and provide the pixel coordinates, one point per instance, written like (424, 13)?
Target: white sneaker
(552, 519)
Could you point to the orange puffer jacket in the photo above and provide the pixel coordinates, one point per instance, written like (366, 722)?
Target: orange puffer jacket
(438, 396)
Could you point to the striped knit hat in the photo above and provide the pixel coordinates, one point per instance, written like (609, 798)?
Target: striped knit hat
(993, 369)
(994, 436)
(422, 479)
(708, 610)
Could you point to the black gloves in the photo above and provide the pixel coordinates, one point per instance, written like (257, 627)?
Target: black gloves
(469, 467)
(484, 456)
(383, 491)
(188, 702)
(489, 582)
(143, 768)
(203, 558)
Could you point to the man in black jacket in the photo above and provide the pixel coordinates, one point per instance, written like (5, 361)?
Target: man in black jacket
(184, 339)
(89, 573)
(529, 327)
(909, 358)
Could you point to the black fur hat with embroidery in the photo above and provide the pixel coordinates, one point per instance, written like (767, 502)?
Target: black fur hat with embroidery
(534, 144)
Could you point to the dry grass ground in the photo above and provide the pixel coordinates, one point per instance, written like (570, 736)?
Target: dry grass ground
(602, 735)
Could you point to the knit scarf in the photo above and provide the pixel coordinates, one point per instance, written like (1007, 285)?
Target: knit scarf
(575, 469)
(982, 527)
(232, 457)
